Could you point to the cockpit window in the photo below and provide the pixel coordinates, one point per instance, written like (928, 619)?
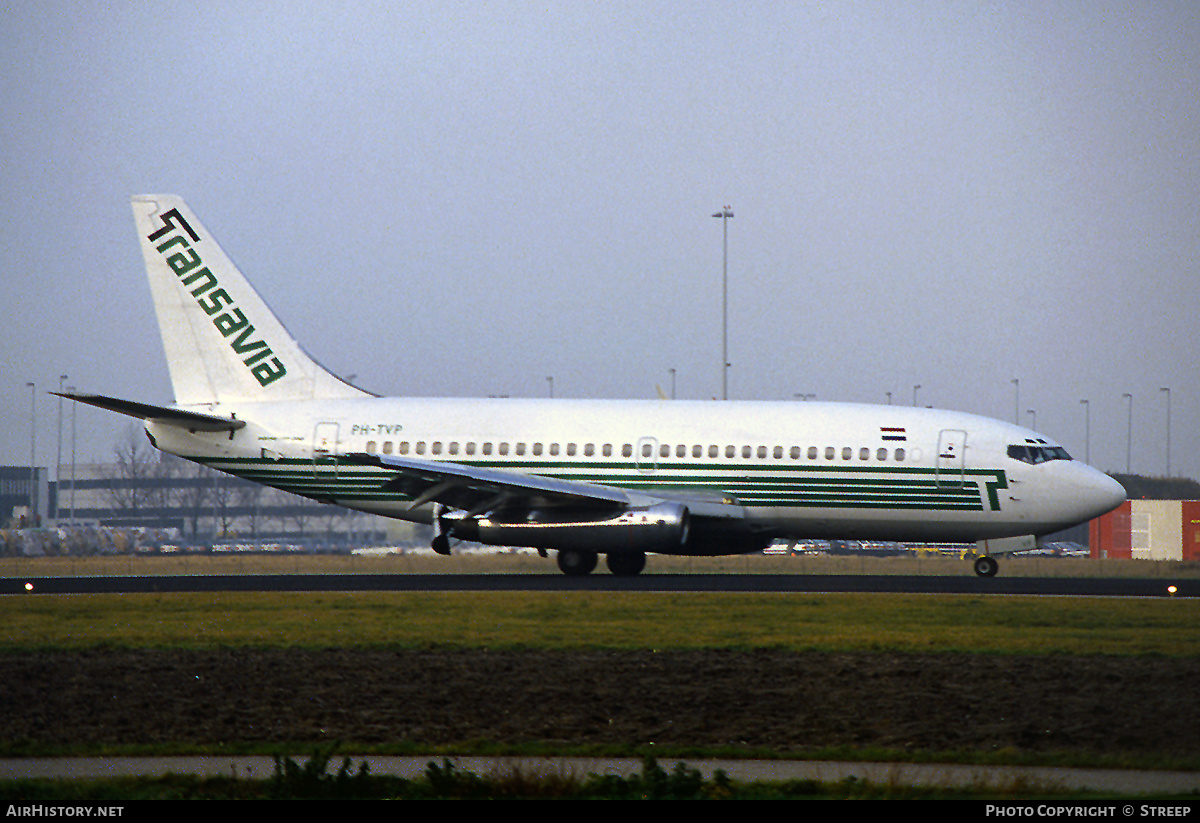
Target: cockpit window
(1035, 453)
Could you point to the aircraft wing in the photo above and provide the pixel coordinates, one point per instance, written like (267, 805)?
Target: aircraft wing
(478, 490)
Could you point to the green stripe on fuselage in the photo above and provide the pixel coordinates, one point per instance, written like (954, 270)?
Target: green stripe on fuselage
(850, 487)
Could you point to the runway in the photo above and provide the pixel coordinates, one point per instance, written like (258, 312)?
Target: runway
(746, 583)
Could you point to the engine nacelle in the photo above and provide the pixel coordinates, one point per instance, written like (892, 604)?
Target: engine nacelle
(662, 527)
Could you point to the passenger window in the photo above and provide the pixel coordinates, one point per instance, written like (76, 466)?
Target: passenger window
(370, 447)
(589, 450)
(730, 451)
(777, 452)
(899, 455)
(794, 452)
(864, 453)
(697, 451)
(521, 448)
(881, 454)
(664, 450)
(607, 450)
(647, 450)
(537, 449)
(387, 447)
(746, 451)
(830, 452)
(554, 450)
(487, 448)
(471, 447)
(847, 452)
(714, 451)
(812, 452)
(681, 450)
(404, 447)
(420, 447)
(570, 450)
(454, 447)
(437, 447)
(503, 448)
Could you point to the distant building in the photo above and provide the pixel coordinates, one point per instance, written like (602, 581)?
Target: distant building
(1159, 521)
(15, 498)
(204, 505)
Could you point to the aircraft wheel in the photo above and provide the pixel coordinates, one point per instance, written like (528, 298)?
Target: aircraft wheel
(626, 564)
(576, 563)
(986, 566)
(441, 544)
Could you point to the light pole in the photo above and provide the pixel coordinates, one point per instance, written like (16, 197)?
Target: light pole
(1087, 431)
(915, 394)
(672, 371)
(32, 452)
(1032, 418)
(889, 397)
(1168, 391)
(58, 457)
(550, 380)
(1129, 436)
(724, 214)
(74, 406)
(1017, 401)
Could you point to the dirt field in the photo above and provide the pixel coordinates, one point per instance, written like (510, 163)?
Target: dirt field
(757, 699)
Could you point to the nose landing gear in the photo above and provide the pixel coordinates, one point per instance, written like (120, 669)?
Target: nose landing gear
(986, 566)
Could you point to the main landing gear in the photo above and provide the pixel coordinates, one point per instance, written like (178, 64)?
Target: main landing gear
(441, 535)
(986, 566)
(578, 563)
(626, 564)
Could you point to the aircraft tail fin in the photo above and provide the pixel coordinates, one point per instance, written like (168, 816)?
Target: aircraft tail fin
(222, 342)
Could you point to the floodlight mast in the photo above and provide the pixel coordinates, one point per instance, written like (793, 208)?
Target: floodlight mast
(725, 214)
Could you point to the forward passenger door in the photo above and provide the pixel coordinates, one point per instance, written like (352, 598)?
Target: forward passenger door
(951, 457)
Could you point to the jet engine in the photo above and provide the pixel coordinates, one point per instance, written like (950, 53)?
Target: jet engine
(662, 527)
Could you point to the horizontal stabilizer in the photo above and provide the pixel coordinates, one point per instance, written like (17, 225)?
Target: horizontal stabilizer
(190, 420)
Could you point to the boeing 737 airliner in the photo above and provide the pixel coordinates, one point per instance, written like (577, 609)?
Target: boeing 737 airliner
(580, 477)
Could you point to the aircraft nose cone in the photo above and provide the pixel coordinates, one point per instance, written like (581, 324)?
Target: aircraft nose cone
(1113, 493)
(1103, 493)
(1078, 494)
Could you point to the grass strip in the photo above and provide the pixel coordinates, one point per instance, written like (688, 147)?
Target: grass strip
(593, 620)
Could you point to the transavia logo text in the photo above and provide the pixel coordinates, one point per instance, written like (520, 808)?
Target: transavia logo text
(202, 284)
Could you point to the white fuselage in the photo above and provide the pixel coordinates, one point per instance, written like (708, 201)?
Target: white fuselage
(800, 470)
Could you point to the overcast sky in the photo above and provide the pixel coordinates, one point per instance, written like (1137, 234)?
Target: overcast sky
(463, 199)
